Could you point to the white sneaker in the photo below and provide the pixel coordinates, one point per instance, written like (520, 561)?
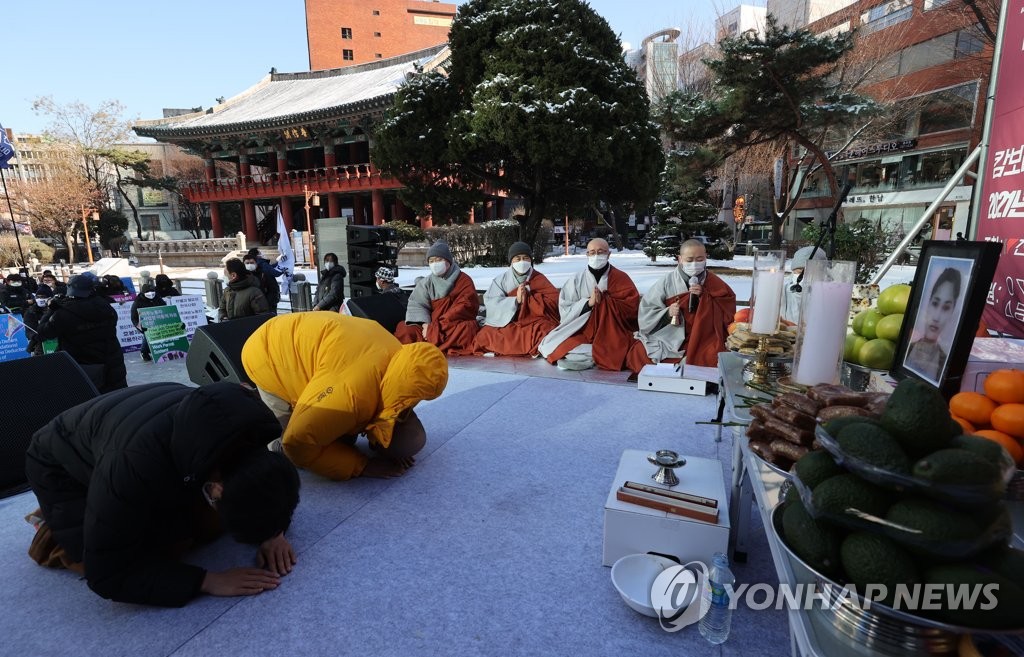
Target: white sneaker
(574, 365)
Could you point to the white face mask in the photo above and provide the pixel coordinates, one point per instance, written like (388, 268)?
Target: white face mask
(381, 286)
(251, 266)
(438, 268)
(149, 295)
(522, 266)
(328, 265)
(41, 303)
(14, 284)
(693, 268)
(597, 261)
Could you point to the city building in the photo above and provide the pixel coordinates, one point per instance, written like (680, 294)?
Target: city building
(744, 18)
(161, 215)
(929, 62)
(349, 32)
(656, 63)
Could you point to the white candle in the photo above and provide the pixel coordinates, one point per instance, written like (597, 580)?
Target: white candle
(767, 301)
(825, 314)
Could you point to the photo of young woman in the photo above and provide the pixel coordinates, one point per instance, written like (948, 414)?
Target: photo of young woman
(938, 316)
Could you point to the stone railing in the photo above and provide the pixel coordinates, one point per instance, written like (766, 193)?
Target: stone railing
(188, 253)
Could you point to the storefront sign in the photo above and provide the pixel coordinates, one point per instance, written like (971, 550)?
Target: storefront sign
(1001, 202)
(874, 149)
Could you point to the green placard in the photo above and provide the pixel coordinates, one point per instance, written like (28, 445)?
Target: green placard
(165, 333)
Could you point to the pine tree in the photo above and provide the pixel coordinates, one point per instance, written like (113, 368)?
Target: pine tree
(685, 208)
(538, 102)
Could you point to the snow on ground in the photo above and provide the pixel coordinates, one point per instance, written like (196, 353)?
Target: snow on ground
(558, 269)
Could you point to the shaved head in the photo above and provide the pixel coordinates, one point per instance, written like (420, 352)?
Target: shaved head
(597, 244)
(697, 244)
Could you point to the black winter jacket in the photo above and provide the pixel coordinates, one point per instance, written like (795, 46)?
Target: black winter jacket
(87, 330)
(117, 479)
(330, 290)
(142, 302)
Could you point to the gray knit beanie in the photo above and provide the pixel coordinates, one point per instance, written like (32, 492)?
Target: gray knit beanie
(518, 249)
(440, 250)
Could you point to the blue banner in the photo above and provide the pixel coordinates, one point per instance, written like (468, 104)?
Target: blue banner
(6, 149)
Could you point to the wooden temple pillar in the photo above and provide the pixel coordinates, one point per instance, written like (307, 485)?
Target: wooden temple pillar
(377, 200)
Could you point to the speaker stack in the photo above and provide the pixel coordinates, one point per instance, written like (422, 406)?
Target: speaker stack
(216, 351)
(368, 248)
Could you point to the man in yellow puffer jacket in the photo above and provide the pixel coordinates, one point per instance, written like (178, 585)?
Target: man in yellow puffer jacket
(329, 377)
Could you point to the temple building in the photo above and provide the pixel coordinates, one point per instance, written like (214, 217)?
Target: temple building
(293, 135)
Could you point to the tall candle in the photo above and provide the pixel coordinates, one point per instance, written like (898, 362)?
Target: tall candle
(824, 317)
(767, 301)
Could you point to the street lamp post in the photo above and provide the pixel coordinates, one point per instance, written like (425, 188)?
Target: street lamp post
(312, 200)
(85, 226)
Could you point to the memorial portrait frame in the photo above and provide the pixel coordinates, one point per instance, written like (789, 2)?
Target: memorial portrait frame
(976, 263)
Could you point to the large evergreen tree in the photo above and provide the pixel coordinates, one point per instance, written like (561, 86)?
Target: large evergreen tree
(685, 208)
(537, 101)
(783, 88)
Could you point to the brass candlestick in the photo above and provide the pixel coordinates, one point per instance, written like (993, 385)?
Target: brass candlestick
(761, 373)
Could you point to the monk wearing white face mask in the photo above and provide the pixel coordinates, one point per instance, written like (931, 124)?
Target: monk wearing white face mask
(597, 309)
(443, 306)
(687, 312)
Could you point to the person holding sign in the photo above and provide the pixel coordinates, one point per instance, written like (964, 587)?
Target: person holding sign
(148, 299)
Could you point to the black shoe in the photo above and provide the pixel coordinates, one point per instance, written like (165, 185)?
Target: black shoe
(147, 357)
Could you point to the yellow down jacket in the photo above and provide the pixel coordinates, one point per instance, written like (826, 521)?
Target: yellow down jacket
(342, 376)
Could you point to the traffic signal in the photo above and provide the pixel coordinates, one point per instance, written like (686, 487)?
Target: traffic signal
(367, 249)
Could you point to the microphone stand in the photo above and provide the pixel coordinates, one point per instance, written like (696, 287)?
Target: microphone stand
(828, 228)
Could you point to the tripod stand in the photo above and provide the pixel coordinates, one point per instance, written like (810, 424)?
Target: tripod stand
(829, 229)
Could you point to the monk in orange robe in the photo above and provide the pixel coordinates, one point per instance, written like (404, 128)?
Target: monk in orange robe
(687, 312)
(522, 307)
(443, 306)
(598, 309)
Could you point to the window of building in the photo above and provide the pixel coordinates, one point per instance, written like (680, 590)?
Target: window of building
(150, 222)
(376, 12)
(376, 35)
(347, 55)
(967, 43)
(346, 33)
(885, 15)
(928, 53)
(378, 55)
(932, 4)
(932, 169)
(948, 109)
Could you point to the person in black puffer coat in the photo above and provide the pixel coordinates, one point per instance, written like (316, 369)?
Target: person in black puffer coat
(165, 286)
(330, 289)
(32, 316)
(126, 483)
(148, 299)
(86, 327)
(15, 296)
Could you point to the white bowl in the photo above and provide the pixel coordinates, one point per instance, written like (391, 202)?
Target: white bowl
(633, 576)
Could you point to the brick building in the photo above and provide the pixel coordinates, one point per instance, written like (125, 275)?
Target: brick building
(930, 61)
(346, 32)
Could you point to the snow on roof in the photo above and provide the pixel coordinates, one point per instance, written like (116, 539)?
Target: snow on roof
(288, 98)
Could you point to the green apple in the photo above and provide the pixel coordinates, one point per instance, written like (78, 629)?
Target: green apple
(853, 344)
(889, 327)
(893, 300)
(877, 354)
(869, 324)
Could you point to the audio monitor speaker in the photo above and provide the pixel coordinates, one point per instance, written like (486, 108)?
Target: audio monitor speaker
(385, 309)
(216, 350)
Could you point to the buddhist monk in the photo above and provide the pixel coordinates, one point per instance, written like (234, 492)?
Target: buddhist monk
(522, 307)
(598, 310)
(687, 312)
(443, 306)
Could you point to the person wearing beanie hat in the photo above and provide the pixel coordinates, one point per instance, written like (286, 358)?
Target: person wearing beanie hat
(443, 306)
(521, 308)
(148, 298)
(85, 325)
(15, 296)
(687, 311)
(385, 278)
(330, 377)
(791, 291)
(598, 310)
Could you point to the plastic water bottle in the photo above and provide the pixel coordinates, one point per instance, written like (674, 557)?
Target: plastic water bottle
(716, 616)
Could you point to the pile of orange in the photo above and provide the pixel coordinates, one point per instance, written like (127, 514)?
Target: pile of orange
(998, 414)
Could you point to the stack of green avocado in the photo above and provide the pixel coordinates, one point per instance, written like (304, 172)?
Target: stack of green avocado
(908, 501)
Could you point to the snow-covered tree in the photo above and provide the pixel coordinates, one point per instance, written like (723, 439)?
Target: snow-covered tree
(685, 208)
(537, 102)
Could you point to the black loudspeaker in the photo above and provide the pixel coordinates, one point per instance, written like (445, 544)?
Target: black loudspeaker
(385, 309)
(216, 350)
(38, 389)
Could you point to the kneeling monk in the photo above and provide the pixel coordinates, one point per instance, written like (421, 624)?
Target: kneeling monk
(522, 307)
(443, 307)
(598, 311)
(687, 312)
